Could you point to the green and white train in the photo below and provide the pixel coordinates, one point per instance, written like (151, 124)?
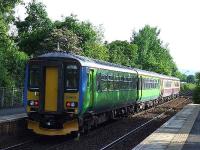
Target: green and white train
(67, 93)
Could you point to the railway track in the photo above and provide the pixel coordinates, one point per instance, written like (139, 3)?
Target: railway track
(118, 131)
(19, 146)
(134, 131)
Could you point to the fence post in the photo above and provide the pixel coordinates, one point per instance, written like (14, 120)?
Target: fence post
(12, 100)
(22, 96)
(2, 98)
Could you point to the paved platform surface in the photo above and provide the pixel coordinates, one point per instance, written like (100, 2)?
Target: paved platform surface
(11, 111)
(193, 140)
(11, 114)
(181, 132)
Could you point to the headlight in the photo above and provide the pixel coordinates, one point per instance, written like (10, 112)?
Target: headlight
(31, 103)
(72, 104)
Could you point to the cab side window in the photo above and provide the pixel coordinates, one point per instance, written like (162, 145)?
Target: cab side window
(34, 77)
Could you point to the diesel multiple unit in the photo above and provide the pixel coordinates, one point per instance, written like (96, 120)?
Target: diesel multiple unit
(67, 93)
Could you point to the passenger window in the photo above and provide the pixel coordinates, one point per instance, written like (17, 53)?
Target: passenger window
(116, 83)
(98, 83)
(110, 82)
(71, 77)
(104, 84)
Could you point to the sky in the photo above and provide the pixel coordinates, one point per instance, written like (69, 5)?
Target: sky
(178, 20)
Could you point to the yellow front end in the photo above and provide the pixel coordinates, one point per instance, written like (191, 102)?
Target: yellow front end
(50, 108)
(68, 127)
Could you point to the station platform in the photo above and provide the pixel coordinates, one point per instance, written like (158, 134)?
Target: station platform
(181, 132)
(12, 114)
(11, 111)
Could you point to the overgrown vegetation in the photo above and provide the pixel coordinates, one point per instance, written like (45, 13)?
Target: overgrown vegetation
(12, 61)
(187, 87)
(37, 34)
(196, 93)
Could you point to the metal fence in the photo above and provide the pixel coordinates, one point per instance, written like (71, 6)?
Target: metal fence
(11, 97)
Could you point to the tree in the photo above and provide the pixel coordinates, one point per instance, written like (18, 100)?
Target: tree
(37, 29)
(152, 55)
(34, 28)
(96, 51)
(67, 40)
(12, 61)
(122, 52)
(6, 11)
(182, 77)
(146, 40)
(86, 32)
(191, 79)
(197, 76)
(196, 93)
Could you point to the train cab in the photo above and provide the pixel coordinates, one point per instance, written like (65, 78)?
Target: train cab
(52, 95)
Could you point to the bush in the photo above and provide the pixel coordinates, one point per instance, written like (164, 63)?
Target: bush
(196, 95)
(187, 87)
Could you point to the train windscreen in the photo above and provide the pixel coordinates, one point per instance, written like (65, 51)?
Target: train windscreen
(71, 77)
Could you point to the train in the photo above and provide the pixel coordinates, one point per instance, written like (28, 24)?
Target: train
(66, 93)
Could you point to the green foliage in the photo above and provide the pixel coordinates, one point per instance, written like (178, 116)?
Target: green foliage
(197, 75)
(12, 61)
(152, 55)
(67, 40)
(34, 28)
(4, 76)
(96, 51)
(191, 79)
(84, 30)
(6, 10)
(122, 52)
(196, 93)
(182, 77)
(187, 87)
(37, 33)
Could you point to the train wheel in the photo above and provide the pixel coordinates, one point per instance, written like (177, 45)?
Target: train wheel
(85, 128)
(76, 135)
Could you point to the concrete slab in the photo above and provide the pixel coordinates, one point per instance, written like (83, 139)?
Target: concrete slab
(173, 134)
(193, 140)
(10, 118)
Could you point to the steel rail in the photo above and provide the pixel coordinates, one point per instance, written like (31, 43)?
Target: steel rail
(118, 140)
(17, 145)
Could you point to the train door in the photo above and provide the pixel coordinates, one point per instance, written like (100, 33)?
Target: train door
(91, 87)
(161, 87)
(139, 88)
(51, 89)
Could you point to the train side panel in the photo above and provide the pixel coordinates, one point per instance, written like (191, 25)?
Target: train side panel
(176, 87)
(167, 90)
(111, 90)
(149, 88)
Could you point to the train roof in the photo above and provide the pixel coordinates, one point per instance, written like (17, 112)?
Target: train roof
(149, 73)
(85, 61)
